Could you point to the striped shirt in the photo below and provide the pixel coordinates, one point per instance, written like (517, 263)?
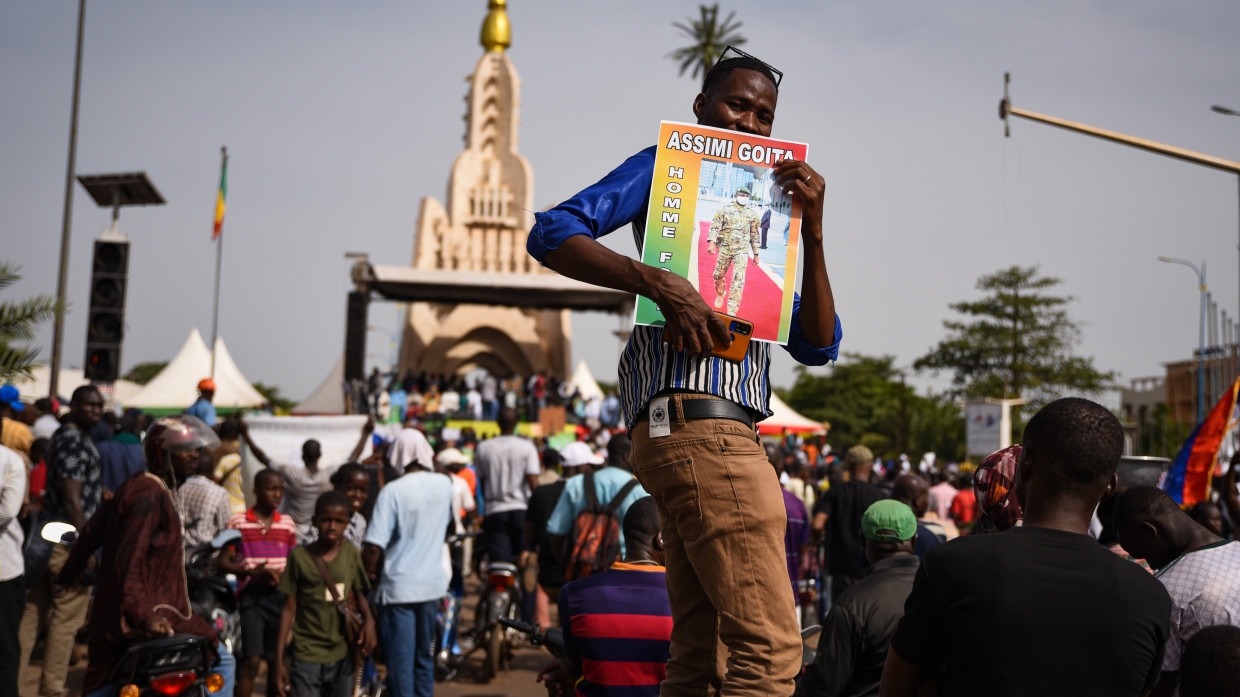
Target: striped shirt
(261, 545)
(648, 365)
(618, 628)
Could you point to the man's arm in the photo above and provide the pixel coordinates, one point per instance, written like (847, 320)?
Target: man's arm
(71, 497)
(900, 678)
(817, 312)
(565, 240)
(833, 667)
(691, 325)
(367, 429)
(372, 559)
(249, 442)
(12, 491)
(286, 628)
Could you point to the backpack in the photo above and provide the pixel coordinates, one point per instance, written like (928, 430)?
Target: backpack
(596, 533)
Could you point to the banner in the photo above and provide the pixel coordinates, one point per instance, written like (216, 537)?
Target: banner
(718, 219)
(983, 428)
(281, 438)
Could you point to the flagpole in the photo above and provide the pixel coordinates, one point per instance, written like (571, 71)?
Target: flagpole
(219, 255)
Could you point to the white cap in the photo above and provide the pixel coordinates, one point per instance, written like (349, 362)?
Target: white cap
(576, 454)
(451, 456)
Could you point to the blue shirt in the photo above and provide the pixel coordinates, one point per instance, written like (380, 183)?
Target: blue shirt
(648, 365)
(203, 410)
(607, 483)
(409, 524)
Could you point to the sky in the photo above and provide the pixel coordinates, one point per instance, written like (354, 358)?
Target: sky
(340, 117)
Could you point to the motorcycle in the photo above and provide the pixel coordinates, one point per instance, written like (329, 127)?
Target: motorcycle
(550, 637)
(174, 666)
(214, 596)
(500, 599)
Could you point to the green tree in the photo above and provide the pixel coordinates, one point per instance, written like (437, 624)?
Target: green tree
(710, 37)
(271, 393)
(867, 403)
(18, 320)
(1017, 341)
(145, 372)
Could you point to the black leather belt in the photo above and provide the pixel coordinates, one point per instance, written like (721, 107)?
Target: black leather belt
(702, 408)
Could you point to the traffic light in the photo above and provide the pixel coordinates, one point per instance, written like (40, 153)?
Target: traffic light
(105, 324)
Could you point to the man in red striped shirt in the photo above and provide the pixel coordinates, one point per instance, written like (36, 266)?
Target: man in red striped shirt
(618, 624)
(266, 539)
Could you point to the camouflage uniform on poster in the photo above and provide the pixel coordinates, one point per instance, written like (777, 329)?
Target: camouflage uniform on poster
(735, 233)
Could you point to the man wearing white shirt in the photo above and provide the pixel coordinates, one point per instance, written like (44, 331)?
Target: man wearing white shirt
(12, 585)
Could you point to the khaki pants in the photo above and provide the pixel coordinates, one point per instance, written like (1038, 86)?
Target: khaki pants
(727, 578)
(62, 609)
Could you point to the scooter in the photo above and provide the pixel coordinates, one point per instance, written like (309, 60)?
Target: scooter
(165, 667)
(500, 599)
(211, 595)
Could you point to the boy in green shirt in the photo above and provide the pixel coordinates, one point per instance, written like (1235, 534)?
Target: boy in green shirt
(322, 662)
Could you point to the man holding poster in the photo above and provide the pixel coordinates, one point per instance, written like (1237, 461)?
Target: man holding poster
(692, 415)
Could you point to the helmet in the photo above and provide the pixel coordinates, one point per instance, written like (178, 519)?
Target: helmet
(995, 486)
(177, 434)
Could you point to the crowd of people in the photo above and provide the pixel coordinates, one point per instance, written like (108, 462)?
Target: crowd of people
(480, 396)
(676, 549)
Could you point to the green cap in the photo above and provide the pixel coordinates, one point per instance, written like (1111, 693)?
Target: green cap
(743, 190)
(889, 521)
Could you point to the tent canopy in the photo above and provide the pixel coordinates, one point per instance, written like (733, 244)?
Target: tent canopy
(328, 397)
(176, 386)
(36, 387)
(585, 383)
(785, 419)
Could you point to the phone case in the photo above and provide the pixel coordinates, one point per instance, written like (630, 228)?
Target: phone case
(741, 331)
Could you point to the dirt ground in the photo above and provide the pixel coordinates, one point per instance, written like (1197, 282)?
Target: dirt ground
(518, 681)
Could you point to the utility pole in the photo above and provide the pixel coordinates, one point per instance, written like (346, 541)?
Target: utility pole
(1006, 109)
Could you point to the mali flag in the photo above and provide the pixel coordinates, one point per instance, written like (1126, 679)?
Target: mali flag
(219, 199)
(1188, 480)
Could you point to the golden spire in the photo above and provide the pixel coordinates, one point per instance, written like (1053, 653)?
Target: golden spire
(496, 31)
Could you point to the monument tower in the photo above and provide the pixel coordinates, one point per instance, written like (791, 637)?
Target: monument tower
(483, 231)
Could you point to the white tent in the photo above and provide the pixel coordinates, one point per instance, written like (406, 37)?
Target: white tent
(585, 383)
(70, 379)
(176, 386)
(785, 418)
(328, 397)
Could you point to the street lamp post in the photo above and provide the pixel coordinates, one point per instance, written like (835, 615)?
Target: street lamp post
(1201, 331)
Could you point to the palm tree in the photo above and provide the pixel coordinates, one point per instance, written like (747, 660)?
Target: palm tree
(17, 323)
(710, 38)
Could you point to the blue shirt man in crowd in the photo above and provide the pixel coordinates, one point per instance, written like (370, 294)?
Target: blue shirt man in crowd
(406, 532)
(203, 408)
(692, 415)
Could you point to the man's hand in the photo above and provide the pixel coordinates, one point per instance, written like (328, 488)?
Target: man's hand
(281, 680)
(368, 640)
(157, 626)
(692, 326)
(710, 248)
(796, 177)
(754, 257)
(558, 679)
(370, 425)
(269, 575)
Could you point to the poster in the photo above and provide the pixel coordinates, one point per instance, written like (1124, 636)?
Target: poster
(983, 428)
(717, 219)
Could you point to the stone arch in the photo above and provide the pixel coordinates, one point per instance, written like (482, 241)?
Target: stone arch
(493, 345)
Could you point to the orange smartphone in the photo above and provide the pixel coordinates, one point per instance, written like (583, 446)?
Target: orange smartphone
(741, 331)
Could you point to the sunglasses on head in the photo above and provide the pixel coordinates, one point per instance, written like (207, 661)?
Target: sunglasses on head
(732, 53)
